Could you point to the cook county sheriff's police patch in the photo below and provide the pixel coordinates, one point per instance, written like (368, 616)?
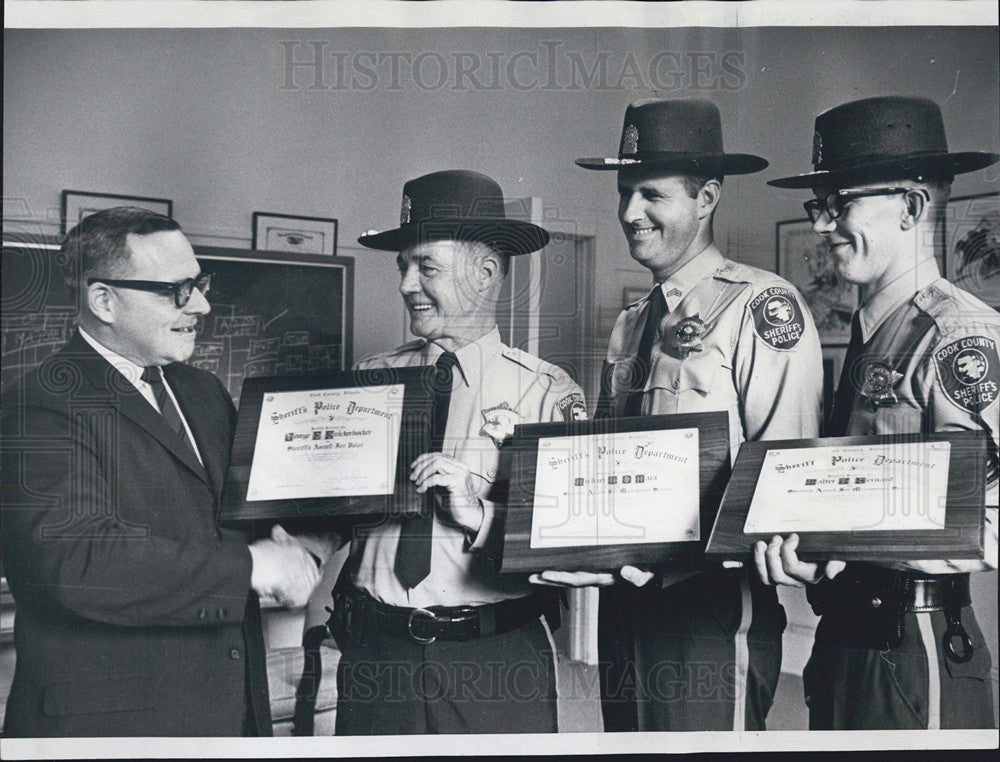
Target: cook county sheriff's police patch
(573, 408)
(777, 317)
(969, 370)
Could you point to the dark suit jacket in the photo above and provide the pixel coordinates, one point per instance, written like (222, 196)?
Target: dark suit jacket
(134, 616)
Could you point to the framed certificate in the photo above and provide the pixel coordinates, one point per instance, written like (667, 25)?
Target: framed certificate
(328, 445)
(900, 497)
(599, 494)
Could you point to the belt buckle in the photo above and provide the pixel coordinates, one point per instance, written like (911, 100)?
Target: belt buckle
(409, 626)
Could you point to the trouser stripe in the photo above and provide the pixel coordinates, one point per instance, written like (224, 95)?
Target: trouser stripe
(933, 671)
(742, 655)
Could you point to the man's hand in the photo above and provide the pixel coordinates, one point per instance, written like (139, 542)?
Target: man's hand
(283, 570)
(435, 469)
(631, 574)
(778, 564)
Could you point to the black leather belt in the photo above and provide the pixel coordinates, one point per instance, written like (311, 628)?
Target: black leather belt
(936, 593)
(869, 604)
(362, 617)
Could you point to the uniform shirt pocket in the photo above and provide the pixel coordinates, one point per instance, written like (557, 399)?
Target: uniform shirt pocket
(680, 377)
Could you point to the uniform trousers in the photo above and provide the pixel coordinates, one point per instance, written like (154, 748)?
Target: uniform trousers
(703, 654)
(500, 684)
(851, 688)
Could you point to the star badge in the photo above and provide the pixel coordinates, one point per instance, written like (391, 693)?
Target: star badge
(499, 423)
(878, 384)
(687, 336)
(630, 141)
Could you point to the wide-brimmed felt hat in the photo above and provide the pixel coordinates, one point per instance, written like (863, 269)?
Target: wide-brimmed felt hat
(884, 138)
(681, 135)
(457, 205)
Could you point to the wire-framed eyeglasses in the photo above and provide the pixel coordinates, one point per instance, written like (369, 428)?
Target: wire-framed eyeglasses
(834, 203)
(181, 292)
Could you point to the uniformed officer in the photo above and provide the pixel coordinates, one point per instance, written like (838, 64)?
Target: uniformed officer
(433, 640)
(897, 642)
(703, 651)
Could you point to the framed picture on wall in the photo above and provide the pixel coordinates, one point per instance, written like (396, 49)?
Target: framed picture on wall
(972, 245)
(301, 235)
(75, 205)
(804, 259)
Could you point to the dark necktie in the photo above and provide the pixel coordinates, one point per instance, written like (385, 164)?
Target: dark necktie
(153, 376)
(413, 553)
(644, 357)
(843, 402)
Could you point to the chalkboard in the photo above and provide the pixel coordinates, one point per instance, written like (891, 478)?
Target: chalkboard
(273, 313)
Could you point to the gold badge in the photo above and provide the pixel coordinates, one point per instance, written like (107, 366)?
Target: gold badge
(879, 382)
(817, 149)
(499, 423)
(404, 212)
(630, 142)
(687, 336)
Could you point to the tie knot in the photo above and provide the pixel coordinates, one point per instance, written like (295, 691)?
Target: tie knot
(444, 372)
(152, 375)
(446, 361)
(656, 299)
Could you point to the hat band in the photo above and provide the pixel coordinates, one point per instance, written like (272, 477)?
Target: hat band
(860, 162)
(670, 156)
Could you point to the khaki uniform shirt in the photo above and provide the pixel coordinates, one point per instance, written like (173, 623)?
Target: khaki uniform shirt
(733, 338)
(939, 344)
(494, 388)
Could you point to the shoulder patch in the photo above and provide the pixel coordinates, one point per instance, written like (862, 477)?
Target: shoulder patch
(573, 407)
(969, 371)
(777, 317)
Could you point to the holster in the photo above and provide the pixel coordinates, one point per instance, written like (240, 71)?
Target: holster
(866, 605)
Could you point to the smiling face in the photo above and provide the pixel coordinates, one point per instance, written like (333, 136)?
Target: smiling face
(664, 226)
(148, 328)
(866, 240)
(449, 291)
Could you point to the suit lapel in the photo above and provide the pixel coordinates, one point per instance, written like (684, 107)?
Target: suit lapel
(204, 421)
(131, 404)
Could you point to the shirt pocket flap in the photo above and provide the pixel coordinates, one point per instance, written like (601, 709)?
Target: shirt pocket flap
(685, 376)
(108, 694)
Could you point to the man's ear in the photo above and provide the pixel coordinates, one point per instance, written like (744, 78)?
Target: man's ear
(708, 197)
(917, 205)
(489, 270)
(102, 302)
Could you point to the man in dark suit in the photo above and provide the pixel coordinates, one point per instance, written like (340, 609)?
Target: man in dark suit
(136, 614)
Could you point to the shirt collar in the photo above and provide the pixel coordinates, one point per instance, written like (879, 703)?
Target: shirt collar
(676, 287)
(874, 312)
(472, 356)
(126, 367)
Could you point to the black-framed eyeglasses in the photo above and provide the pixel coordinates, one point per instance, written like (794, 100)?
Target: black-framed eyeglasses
(181, 291)
(833, 203)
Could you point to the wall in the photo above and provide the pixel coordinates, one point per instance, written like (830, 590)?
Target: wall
(210, 119)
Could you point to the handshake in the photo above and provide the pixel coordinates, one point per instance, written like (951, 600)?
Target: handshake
(286, 569)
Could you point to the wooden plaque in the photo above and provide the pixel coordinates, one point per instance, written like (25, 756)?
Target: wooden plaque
(517, 482)
(960, 537)
(308, 430)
